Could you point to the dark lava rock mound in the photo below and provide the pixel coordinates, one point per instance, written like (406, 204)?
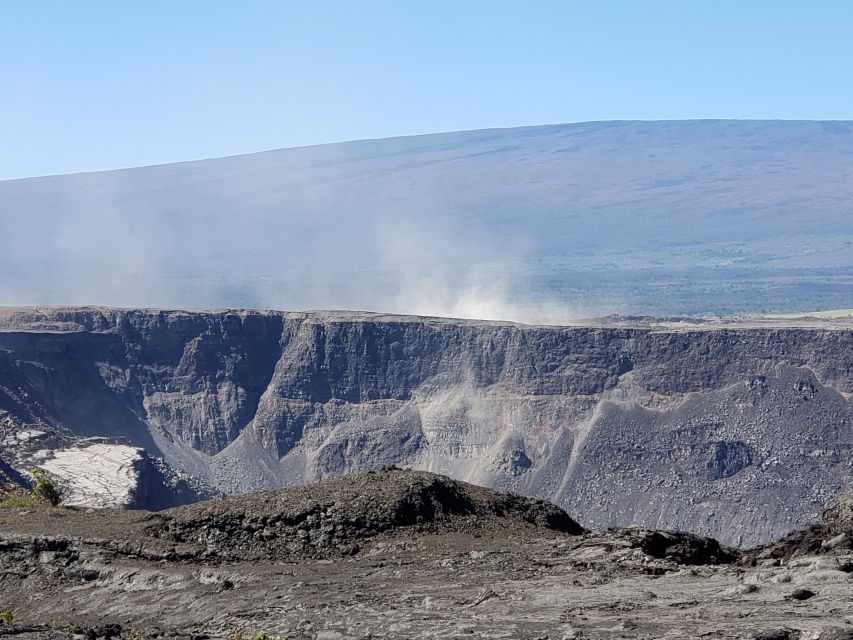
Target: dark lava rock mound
(833, 535)
(336, 516)
(838, 518)
(682, 548)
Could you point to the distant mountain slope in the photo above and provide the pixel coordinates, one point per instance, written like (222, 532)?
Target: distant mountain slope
(528, 223)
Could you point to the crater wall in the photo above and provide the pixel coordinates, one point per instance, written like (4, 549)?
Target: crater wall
(738, 431)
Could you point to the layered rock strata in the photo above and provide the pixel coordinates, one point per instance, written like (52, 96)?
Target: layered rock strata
(739, 431)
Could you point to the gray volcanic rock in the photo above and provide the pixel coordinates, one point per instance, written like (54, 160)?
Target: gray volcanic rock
(683, 548)
(838, 518)
(348, 558)
(97, 474)
(10, 480)
(736, 430)
(336, 516)
(833, 536)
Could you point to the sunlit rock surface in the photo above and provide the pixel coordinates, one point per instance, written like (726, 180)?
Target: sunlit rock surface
(107, 476)
(738, 430)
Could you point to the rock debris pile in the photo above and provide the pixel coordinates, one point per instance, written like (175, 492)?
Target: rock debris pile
(833, 536)
(337, 516)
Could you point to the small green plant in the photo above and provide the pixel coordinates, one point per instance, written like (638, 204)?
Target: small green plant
(21, 500)
(261, 635)
(44, 490)
(46, 487)
(6, 617)
(54, 632)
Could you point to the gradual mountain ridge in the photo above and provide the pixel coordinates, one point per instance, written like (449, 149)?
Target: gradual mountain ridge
(534, 223)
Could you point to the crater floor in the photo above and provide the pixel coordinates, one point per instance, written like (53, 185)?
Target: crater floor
(110, 573)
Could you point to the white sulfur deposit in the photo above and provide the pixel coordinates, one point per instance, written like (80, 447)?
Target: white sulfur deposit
(98, 475)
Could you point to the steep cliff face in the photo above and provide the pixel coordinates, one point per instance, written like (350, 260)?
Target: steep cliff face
(10, 480)
(737, 432)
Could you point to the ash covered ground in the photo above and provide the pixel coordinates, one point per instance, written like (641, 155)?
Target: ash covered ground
(402, 554)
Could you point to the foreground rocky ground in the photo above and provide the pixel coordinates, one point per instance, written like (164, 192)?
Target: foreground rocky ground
(397, 554)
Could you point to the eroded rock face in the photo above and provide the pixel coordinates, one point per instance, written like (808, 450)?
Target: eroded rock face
(742, 433)
(10, 480)
(833, 536)
(838, 518)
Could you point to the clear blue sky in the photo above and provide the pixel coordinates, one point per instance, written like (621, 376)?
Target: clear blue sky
(97, 84)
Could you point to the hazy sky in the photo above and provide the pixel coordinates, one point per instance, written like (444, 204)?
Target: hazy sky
(103, 84)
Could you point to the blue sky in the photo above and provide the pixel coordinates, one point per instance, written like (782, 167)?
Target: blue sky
(103, 84)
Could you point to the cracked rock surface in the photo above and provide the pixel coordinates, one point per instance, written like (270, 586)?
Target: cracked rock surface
(478, 564)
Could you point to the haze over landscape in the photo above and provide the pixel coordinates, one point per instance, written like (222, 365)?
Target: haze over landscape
(696, 174)
(413, 321)
(538, 224)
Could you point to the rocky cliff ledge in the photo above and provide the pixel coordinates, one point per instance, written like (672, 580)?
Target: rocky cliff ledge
(739, 431)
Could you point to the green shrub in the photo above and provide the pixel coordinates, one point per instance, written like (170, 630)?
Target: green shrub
(6, 617)
(21, 500)
(262, 635)
(44, 490)
(46, 487)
